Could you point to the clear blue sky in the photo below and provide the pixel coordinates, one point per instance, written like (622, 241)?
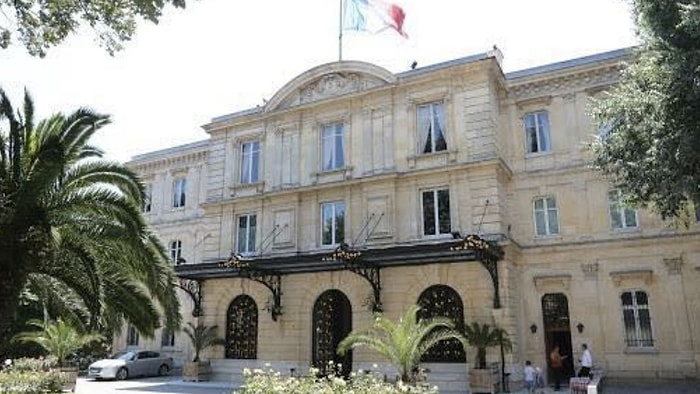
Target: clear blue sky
(222, 56)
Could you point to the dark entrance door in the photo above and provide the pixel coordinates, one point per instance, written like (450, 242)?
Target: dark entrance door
(332, 322)
(557, 330)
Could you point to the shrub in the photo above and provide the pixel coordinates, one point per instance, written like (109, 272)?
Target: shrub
(33, 364)
(269, 381)
(17, 381)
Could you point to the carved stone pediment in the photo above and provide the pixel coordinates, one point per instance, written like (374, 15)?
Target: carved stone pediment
(550, 283)
(638, 276)
(331, 85)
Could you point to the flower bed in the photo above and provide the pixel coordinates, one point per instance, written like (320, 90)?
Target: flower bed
(30, 376)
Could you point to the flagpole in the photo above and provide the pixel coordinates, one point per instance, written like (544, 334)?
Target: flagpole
(340, 32)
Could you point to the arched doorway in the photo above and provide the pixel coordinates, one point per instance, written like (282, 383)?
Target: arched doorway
(332, 322)
(242, 328)
(557, 329)
(443, 301)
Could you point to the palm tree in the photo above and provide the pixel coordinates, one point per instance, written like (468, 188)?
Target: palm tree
(202, 337)
(60, 339)
(483, 336)
(403, 343)
(68, 214)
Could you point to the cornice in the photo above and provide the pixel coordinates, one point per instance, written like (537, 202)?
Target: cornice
(173, 162)
(592, 78)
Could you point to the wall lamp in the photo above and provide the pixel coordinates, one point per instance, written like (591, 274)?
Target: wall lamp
(580, 327)
(533, 328)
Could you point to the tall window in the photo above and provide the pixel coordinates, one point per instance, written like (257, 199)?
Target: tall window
(132, 336)
(637, 320)
(332, 223)
(443, 301)
(176, 251)
(333, 146)
(242, 328)
(546, 216)
(250, 161)
(147, 199)
(247, 225)
(167, 338)
(431, 128)
(696, 208)
(179, 192)
(436, 212)
(621, 216)
(537, 132)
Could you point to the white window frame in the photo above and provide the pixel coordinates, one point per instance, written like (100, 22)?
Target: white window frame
(436, 211)
(334, 223)
(546, 212)
(148, 199)
(617, 206)
(635, 308)
(335, 133)
(179, 192)
(432, 121)
(250, 162)
(175, 250)
(244, 248)
(543, 136)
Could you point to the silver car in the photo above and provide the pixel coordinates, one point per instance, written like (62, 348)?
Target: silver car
(130, 364)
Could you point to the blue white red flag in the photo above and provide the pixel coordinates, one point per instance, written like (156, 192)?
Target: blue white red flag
(373, 16)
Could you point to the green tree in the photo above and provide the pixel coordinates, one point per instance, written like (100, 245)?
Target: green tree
(650, 122)
(202, 337)
(483, 336)
(60, 339)
(403, 343)
(39, 25)
(70, 223)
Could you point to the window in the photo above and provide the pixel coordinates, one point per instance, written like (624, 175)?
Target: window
(250, 161)
(546, 216)
(132, 336)
(436, 212)
(537, 132)
(179, 193)
(696, 208)
(444, 302)
(431, 128)
(621, 216)
(332, 223)
(247, 225)
(333, 146)
(147, 198)
(176, 251)
(242, 328)
(167, 338)
(637, 320)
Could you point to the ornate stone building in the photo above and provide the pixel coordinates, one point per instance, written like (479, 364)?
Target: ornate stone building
(347, 192)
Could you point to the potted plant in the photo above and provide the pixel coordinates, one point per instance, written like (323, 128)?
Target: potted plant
(202, 337)
(403, 343)
(483, 336)
(60, 339)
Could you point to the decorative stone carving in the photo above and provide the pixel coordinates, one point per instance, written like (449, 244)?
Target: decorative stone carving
(643, 275)
(674, 265)
(545, 283)
(332, 85)
(590, 270)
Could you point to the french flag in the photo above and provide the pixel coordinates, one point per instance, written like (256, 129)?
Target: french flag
(373, 16)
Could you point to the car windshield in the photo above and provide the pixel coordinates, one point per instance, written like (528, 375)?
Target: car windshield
(124, 356)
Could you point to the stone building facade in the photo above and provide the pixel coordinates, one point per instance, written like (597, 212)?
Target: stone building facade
(399, 168)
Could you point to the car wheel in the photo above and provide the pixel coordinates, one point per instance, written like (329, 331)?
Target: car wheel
(163, 370)
(122, 374)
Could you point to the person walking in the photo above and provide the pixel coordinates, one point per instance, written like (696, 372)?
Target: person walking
(556, 362)
(529, 375)
(586, 362)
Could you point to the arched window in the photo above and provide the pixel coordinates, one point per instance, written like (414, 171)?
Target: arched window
(332, 322)
(443, 301)
(242, 328)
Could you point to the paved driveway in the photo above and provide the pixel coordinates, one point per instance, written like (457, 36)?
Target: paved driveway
(163, 385)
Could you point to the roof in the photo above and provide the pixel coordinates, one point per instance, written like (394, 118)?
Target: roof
(581, 61)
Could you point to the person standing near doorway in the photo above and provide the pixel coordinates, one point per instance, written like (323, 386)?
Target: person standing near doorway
(556, 362)
(586, 362)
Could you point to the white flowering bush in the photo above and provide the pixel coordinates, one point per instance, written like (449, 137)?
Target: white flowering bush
(269, 381)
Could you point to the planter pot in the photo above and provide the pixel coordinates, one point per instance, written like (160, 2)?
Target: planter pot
(483, 380)
(196, 371)
(70, 376)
